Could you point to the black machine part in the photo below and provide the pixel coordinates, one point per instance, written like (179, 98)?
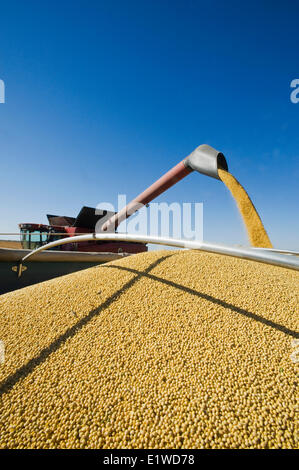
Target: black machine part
(88, 218)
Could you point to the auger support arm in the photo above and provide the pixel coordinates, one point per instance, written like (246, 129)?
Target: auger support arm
(204, 159)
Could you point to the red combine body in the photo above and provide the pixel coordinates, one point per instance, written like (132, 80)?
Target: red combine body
(87, 221)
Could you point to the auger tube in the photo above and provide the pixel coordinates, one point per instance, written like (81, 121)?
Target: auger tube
(262, 256)
(204, 159)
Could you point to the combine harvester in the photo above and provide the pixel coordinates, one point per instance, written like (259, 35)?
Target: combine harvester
(65, 258)
(204, 159)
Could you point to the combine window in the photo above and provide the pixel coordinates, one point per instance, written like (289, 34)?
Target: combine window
(31, 240)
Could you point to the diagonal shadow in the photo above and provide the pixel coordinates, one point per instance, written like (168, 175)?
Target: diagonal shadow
(29, 367)
(210, 298)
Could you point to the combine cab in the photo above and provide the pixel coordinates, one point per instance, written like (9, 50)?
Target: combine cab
(87, 221)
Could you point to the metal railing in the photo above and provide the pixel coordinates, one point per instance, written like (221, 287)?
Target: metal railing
(268, 256)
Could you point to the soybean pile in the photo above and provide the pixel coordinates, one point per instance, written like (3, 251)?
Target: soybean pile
(256, 231)
(165, 349)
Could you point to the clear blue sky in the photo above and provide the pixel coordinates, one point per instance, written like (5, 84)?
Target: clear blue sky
(102, 97)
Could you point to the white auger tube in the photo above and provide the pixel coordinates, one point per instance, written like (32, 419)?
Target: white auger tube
(261, 256)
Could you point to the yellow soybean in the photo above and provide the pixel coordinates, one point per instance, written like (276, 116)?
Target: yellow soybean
(166, 350)
(256, 232)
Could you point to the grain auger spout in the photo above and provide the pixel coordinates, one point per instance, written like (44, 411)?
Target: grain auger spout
(204, 159)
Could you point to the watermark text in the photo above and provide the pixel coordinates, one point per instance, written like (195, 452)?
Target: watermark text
(2, 91)
(175, 220)
(295, 93)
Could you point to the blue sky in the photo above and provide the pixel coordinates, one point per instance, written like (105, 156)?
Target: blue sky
(103, 97)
